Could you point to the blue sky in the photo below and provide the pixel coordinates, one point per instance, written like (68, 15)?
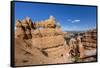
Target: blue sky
(70, 17)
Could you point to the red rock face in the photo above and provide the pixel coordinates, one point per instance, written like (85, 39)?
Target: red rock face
(89, 39)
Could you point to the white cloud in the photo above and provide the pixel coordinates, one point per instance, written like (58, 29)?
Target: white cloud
(74, 21)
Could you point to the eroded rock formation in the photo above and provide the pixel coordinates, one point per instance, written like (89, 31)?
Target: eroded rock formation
(40, 43)
(83, 46)
(89, 41)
